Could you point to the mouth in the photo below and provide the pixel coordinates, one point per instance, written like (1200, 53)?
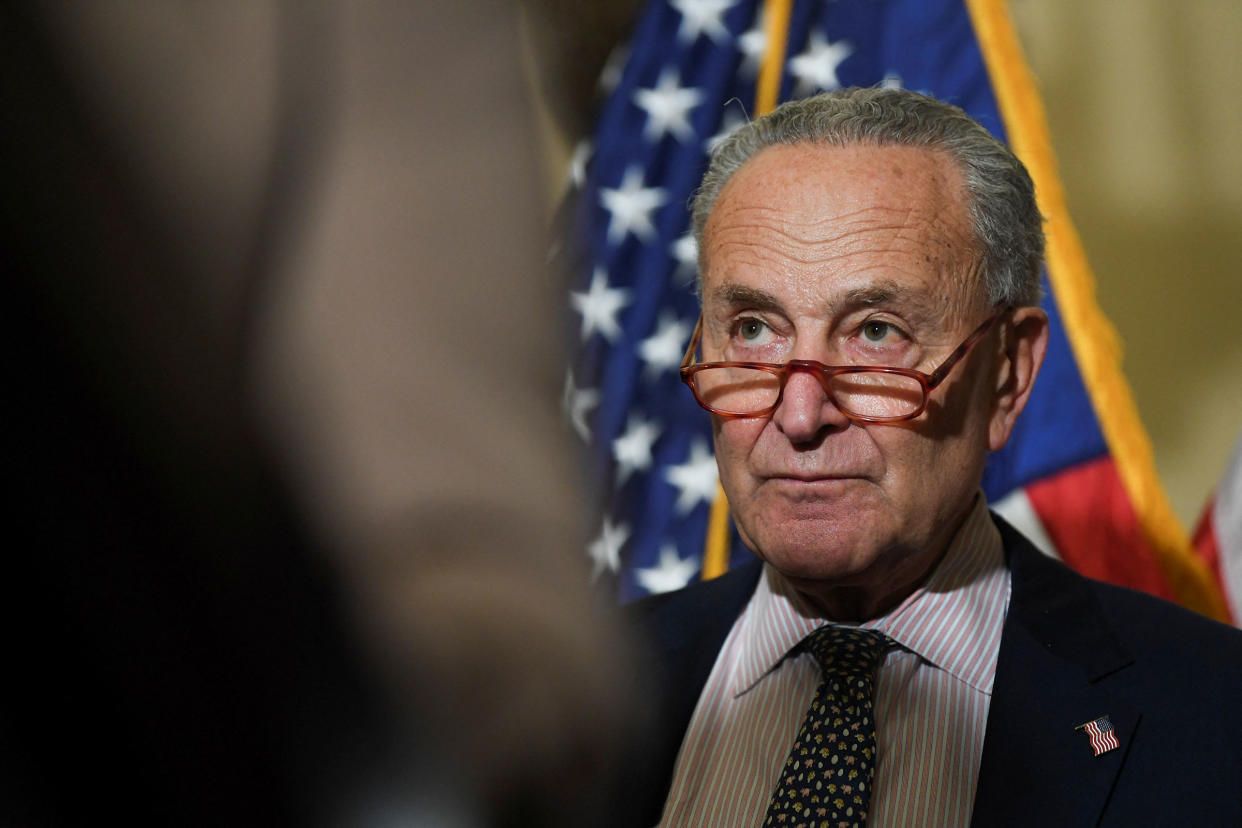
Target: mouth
(817, 491)
(806, 477)
(817, 485)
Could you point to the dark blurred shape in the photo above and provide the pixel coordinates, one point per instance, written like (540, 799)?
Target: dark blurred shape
(181, 616)
(174, 647)
(572, 42)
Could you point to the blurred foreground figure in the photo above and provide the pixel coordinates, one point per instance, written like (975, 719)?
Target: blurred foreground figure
(366, 605)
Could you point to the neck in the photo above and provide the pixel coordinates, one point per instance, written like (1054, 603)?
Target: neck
(855, 603)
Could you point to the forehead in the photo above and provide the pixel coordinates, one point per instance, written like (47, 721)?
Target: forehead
(824, 221)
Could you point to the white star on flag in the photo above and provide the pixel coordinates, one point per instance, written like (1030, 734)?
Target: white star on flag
(668, 107)
(752, 44)
(578, 162)
(696, 478)
(631, 206)
(699, 16)
(891, 81)
(686, 251)
(632, 450)
(670, 572)
(816, 68)
(605, 550)
(662, 351)
(599, 306)
(578, 402)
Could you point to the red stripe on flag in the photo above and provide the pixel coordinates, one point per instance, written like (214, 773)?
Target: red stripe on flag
(1093, 526)
(1207, 546)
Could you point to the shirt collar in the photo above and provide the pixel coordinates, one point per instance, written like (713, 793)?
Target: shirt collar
(952, 621)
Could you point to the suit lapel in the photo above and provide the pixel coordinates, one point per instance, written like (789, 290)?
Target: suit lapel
(1037, 768)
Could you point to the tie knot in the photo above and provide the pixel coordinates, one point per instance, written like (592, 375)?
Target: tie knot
(847, 650)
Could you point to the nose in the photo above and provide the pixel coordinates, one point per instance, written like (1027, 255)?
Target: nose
(806, 410)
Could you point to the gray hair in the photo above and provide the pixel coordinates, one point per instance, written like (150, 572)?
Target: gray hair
(1007, 225)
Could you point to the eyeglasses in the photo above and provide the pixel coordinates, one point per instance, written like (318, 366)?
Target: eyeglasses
(863, 393)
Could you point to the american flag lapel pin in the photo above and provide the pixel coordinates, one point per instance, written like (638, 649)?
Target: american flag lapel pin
(1101, 734)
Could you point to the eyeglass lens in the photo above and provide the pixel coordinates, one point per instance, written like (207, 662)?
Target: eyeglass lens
(737, 390)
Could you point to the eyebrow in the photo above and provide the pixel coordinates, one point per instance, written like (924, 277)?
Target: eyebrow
(741, 295)
(873, 295)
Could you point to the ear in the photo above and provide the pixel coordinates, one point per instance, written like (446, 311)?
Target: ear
(1025, 341)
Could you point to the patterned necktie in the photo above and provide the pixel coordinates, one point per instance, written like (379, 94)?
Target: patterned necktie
(826, 781)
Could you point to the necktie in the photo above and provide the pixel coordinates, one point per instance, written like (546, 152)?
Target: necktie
(826, 781)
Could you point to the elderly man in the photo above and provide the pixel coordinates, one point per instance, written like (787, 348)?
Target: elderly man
(899, 656)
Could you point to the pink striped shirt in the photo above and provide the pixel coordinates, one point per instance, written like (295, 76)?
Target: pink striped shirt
(931, 698)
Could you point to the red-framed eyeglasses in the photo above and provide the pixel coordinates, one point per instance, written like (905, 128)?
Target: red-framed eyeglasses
(863, 393)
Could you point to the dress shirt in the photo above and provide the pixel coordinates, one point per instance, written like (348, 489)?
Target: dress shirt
(931, 696)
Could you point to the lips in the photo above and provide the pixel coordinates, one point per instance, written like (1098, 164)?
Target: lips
(818, 492)
(824, 484)
(810, 477)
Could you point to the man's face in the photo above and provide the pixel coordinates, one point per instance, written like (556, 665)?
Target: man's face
(856, 255)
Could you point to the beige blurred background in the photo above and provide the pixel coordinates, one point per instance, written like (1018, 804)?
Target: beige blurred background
(1141, 98)
(1142, 101)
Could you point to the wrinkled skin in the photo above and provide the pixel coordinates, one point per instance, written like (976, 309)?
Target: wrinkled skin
(857, 255)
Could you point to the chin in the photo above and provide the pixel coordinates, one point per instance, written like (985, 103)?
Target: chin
(819, 550)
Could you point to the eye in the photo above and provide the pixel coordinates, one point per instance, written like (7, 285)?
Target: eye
(876, 331)
(750, 330)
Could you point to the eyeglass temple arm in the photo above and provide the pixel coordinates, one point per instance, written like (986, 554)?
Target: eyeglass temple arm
(687, 358)
(954, 358)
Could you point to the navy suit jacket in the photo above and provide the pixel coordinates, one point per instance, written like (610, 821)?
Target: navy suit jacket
(1072, 649)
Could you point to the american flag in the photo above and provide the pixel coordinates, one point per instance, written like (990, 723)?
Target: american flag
(687, 77)
(1103, 737)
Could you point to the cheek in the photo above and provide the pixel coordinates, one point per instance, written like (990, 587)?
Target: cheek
(933, 469)
(959, 409)
(908, 464)
(735, 439)
(921, 462)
